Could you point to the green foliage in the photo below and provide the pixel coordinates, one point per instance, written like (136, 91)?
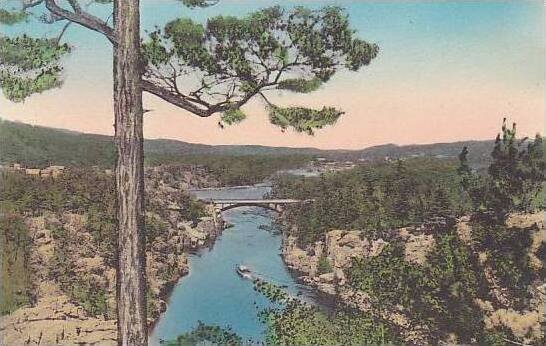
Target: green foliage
(207, 335)
(508, 254)
(199, 3)
(497, 337)
(28, 53)
(237, 58)
(541, 255)
(303, 119)
(37, 146)
(12, 17)
(75, 191)
(324, 265)
(90, 296)
(102, 225)
(297, 323)
(513, 183)
(300, 324)
(86, 192)
(84, 290)
(155, 226)
(191, 208)
(388, 278)
(17, 89)
(441, 293)
(29, 65)
(272, 292)
(232, 116)
(238, 169)
(17, 277)
(515, 176)
(373, 197)
(300, 85)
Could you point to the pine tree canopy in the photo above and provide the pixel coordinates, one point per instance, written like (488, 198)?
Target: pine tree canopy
(204, 68)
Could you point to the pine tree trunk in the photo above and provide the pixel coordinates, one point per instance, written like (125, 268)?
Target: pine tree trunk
(131, 276)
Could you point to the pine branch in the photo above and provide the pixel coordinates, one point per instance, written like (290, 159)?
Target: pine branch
(82, 18)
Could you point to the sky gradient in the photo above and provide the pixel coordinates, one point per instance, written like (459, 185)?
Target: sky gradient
(446, 71)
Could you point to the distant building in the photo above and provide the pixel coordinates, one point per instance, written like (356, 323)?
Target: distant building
(52, 171)
(32, 171)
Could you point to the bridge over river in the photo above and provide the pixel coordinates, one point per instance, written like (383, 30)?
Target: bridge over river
(271, 204)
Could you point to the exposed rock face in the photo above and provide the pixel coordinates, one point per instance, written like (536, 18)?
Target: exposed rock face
(298, 259)
(417, 246)
(180, 177)
(56, 318)
(341, 247)
(522, 324)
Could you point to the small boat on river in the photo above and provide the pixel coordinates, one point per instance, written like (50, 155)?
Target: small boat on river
(243, 271)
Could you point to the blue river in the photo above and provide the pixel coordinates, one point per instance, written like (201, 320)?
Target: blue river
(212, 292)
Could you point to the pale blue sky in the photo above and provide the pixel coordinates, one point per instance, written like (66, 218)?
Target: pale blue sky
(446, 71)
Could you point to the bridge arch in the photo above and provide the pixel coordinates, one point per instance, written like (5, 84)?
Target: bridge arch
(259, 205)
(269, 204)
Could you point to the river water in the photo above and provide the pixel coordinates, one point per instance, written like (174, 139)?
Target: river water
(213, 292)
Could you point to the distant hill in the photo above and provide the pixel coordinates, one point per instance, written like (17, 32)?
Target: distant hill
(479, 150)
(40, 146)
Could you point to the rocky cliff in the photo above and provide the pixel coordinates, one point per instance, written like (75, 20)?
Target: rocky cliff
(325, 265)
(74, 266)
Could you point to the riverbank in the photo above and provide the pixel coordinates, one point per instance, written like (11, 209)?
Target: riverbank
(213, 292)
(74, 286)
(325, 265)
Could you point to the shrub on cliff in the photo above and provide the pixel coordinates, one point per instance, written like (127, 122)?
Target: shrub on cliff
(206, 335)
(294, 322)
(16, 287)
(440, 293)
(324, 265)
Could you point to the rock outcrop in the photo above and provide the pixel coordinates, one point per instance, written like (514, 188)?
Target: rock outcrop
(57, 317)
(339, 248)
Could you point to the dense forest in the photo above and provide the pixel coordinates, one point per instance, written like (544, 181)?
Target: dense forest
(238, 170)
(25, 196)
(35, 146)
(443, 294)
(39, 146)
(462, 279)
(373, 197)
(89, 193)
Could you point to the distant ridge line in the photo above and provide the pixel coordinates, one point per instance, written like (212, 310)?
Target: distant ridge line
(43, 145)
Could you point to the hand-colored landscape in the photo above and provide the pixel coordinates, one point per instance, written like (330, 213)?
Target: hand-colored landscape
(216, 172)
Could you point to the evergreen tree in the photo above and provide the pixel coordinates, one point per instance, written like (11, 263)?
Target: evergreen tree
(515, 175)
(232, 59)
